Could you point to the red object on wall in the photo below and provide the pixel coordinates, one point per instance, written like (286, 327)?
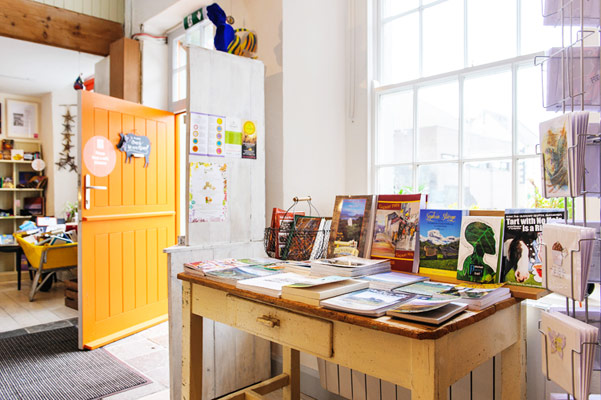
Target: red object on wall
(89, 83)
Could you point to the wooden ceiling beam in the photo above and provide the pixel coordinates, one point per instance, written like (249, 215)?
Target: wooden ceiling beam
(44, 24)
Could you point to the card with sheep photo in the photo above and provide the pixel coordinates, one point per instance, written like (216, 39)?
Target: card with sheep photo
(522, 245)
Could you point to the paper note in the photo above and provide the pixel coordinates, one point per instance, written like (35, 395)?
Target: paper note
(249, 140)
(208, 192)
(233, 137)
(207, 134)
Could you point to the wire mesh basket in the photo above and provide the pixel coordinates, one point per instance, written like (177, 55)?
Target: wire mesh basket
(297, 239)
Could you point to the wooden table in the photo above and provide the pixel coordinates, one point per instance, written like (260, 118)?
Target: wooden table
(426, 360)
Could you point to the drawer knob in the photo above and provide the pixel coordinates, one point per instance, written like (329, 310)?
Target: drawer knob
(268, 321)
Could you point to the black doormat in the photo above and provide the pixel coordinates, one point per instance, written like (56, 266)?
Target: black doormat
(48, 365)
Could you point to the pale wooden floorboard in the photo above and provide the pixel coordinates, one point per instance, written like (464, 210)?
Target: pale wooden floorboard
(16, 311)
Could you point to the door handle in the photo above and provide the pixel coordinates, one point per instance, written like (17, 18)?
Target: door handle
(87, 187)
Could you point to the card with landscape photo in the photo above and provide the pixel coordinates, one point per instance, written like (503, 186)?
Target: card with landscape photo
(350, 225)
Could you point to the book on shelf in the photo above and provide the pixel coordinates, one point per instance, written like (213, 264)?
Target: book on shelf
(391, 280)
(522, 245)
(567, 255)
(351, 227)
(480, 249)
(434, 317)
(270, 285)
(396, 230)
(439, 232)
(315, 290)
(348, 266)
(233, 275)
(302, 238)
(368, 302)
(566, 359)
(281, 226)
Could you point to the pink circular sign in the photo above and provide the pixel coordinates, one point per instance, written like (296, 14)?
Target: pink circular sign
(99, 156)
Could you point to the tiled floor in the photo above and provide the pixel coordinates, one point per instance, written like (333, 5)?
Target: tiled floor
(17, 312)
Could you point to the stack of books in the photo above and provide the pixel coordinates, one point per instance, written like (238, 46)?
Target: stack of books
(567, 256)
(270, 285)
(435, 316)
(232, 275)
(368, 302)
(567, 358)
(348, 266)
(312, 291)
(201, 267)
(391, 280)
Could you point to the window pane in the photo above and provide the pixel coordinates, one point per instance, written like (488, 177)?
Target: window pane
(487, 184)
(441, 183)
(527, 178)
(534, 35)
(438, 121)
(530, 111)
(443, 51)
(395, 128)
(180, 53)
(179, 85)
(395, 7)
(399, 50)
(393, 179)
(491, 30)
(487, 115)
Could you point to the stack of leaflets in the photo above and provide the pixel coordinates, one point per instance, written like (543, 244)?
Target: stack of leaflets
(313, 290)
(475, 298)
(480, 249)
(369, 302)
(271, 285)
(202, 266)
(435, 317)
(567, 257)
(233, 275)
(300, 267)
(391, 280)
(563, 173)
(566, 358)
(348, 266)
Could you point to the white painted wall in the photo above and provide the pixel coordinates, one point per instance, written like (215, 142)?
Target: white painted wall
(314, 66)
(155, 67)
(105, 9)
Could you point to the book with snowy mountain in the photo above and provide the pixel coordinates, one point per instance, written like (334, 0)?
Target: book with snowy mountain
(439, 232)
(522, 259)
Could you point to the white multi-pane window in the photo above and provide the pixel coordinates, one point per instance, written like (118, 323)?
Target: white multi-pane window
(458, 100)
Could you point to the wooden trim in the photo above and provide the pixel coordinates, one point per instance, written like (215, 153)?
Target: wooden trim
(94, 218)
(40, 23)
(260, 389)
(125, 70)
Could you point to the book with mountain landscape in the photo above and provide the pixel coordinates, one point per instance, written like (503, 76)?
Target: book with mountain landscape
(396, 230)
(351, 226)
(439, 232)
(480, 249)
(522, 247)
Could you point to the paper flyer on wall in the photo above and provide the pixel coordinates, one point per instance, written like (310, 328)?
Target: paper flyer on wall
(208, 192)
(249, 140)
(207, 134)
(233, 137)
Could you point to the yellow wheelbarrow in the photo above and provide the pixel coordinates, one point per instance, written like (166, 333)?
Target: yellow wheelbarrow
(47, 259)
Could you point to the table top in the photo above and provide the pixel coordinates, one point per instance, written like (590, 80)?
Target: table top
(385, 324)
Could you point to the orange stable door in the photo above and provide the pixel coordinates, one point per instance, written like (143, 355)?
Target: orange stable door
(127, 217)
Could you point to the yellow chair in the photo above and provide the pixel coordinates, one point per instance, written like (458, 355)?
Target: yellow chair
(47, 259)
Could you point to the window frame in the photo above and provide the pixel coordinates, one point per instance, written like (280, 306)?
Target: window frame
(511, 64)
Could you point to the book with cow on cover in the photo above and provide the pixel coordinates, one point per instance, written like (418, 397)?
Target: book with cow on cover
(522, 247)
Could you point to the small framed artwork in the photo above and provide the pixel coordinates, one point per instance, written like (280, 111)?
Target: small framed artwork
(21, 119)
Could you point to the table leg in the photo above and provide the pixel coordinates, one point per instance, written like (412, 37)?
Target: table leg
(191, 348)
(18, 269)
(291, 363)
(426, 382)
(513, 362)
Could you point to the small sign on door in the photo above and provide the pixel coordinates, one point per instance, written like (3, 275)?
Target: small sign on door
(99, 156)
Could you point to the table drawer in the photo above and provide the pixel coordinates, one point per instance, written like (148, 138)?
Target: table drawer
(301, 332)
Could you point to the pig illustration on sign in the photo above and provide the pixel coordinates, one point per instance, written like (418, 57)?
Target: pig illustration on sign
(134, 145)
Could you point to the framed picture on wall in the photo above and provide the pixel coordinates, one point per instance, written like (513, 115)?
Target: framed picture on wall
(21, 119)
